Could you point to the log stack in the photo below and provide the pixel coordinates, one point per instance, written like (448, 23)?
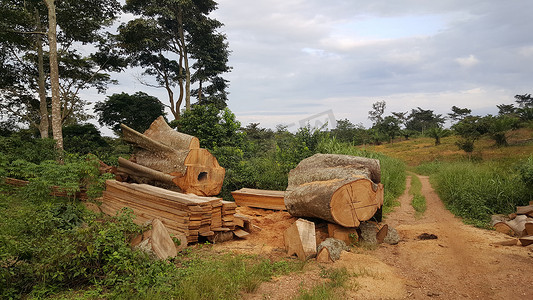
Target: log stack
(340, 189)
(189, 214)
(518, 224)
(170, 159)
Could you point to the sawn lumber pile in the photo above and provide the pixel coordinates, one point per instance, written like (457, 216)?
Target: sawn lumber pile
(189, 214)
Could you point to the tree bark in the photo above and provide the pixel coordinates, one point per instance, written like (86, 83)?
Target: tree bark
(54, 76)
(340, 189)
(43, 106)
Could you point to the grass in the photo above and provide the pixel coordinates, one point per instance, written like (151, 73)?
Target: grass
(333, 288)
(420, 150)
(419, 201)
(476, 190)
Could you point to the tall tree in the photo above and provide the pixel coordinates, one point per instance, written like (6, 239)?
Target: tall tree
(376, 114)
(163, 40)
(420, 120)
(54, 74)
(76, 21)
(458, 114)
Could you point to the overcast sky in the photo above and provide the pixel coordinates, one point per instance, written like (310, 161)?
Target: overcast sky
(295, 59)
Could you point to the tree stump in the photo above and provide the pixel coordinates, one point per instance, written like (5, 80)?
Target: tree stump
(340, 189)
(170, 159)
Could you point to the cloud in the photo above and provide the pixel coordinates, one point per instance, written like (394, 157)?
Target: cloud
(467, 62)
(295, 58)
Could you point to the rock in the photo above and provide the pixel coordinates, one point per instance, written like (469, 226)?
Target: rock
(392, 237)
(334, 248)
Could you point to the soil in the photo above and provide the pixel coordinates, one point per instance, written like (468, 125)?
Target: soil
(463, 262)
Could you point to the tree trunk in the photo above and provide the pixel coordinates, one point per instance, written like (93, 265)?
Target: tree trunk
(340, 189)
(168, 158)
(43, 106)
(54, 76)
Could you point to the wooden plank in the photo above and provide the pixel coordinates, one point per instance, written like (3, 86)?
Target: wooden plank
(240, 233)
(266, 199)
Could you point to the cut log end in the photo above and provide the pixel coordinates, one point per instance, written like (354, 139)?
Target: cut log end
(355, 202)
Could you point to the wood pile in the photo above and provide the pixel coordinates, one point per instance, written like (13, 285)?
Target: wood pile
(189, 214)
(266, 199)
(519, 224)
(170, 159)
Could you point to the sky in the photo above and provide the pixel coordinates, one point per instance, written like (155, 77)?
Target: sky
(315, 61)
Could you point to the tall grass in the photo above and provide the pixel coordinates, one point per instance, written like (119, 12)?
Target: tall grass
(475, 191)
(393, 172)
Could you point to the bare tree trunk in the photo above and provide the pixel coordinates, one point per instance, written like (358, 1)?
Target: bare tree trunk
(43, 106)
(54, 76)
(186, 63)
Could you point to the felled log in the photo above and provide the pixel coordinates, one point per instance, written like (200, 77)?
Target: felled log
(170, 159)
(340, 189)
(300, 239)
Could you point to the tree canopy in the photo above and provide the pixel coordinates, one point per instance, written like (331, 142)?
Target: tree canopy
(137, 111)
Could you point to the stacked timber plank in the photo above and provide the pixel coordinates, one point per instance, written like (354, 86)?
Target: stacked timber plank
(266, 199)
(186, 213)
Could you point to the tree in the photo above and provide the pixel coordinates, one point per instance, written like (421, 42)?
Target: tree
(390, 126)
(420, 120)
(376, 114)
(68, 22)
(458, 114)
(469, 129)
(163, 39)
(83, 139)
(437, 133)
(137, 111)
(524, 100)
(212, 126)
(506, 109)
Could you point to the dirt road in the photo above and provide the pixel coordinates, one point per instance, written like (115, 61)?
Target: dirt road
(462, 263)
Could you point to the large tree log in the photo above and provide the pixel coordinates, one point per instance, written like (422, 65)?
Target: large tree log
(341, 189)
(167, 158)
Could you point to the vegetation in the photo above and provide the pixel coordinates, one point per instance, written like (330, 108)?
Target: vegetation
(331, 289)
(55, 247)
(475, 191)
(419, 201)
(137, 111)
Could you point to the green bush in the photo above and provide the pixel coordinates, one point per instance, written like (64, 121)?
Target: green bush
(25, 147)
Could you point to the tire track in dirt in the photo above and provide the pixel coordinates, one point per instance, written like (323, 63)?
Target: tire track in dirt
(461, 263)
